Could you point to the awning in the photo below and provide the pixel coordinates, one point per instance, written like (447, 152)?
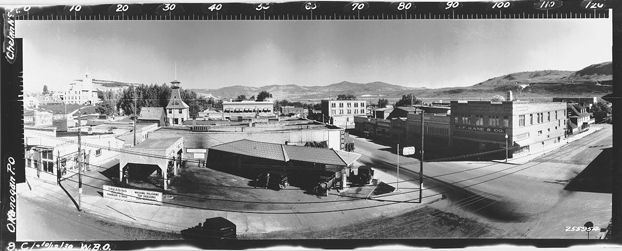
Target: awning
(348, 157)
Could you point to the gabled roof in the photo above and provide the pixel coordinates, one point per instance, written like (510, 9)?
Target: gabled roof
(348, 157)
(285, 153)
(312, 154)
(575, 110)
(253, 148)
(151, 113)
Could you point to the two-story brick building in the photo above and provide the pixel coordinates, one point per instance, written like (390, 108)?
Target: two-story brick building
(480, 126)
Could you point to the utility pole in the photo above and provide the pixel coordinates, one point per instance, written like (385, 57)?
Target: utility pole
(421, 161)
(134, 88)
(79, 159)
(506, 148)
(397, 180)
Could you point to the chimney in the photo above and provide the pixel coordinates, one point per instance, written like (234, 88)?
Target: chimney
(510, 97)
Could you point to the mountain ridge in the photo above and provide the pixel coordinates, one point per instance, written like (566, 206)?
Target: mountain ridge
(594, 79)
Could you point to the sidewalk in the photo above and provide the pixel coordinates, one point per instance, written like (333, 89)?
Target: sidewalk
(300, 216)
(553, 147)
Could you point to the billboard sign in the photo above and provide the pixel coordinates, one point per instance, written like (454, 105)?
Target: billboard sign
(409, 150)
(480, 129)
(133, 195)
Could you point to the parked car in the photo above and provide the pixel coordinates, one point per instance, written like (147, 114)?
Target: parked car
(363, 177)
(212, 228)
(326, 182)
(273, 180)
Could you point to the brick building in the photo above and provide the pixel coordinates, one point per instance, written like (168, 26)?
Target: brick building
(481, 126)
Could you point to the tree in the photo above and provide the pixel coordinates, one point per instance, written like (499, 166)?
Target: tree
(346, 97)
(126, 101)
(602, 106)
(241, 98)
(45, 90)
(408, 100)
(382, 103)
(217, 104)
(263, 95)
(157, 96)
(106, 107)
(498, 98)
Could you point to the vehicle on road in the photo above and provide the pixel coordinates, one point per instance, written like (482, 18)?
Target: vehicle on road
(212, 228)
(363, 176)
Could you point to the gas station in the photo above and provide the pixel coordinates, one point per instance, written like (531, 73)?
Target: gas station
(165, 153)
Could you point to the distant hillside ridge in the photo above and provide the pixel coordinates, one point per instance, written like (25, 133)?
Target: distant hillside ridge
(594, 74)
(600, 72)
(292, 91)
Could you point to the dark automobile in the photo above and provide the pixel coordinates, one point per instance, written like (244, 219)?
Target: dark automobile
(212, 228)
(325, 183)
(273, 180)
(363, 177)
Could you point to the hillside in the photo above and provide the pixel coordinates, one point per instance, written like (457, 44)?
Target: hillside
(304, 92)
(593, 80)
(597, 72)
(525, 78)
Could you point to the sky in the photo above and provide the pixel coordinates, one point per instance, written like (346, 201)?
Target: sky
(215, 54)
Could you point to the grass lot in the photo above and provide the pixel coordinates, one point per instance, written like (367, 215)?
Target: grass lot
(422, 223)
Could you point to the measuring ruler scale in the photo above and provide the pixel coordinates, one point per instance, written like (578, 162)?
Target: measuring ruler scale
(319, 10)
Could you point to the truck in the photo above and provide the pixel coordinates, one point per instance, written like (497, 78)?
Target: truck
(363, 176)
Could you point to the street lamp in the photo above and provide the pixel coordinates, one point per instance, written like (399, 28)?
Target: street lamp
(506, 148)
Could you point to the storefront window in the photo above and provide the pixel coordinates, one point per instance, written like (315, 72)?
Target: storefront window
(493, 121)
(47, 161)
(479, 120)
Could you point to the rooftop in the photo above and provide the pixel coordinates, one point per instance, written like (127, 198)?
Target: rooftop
(286, 153)
(151, 113)
(156, 144)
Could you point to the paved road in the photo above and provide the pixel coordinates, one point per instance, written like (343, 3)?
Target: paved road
(54, 217)
(525, 200)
